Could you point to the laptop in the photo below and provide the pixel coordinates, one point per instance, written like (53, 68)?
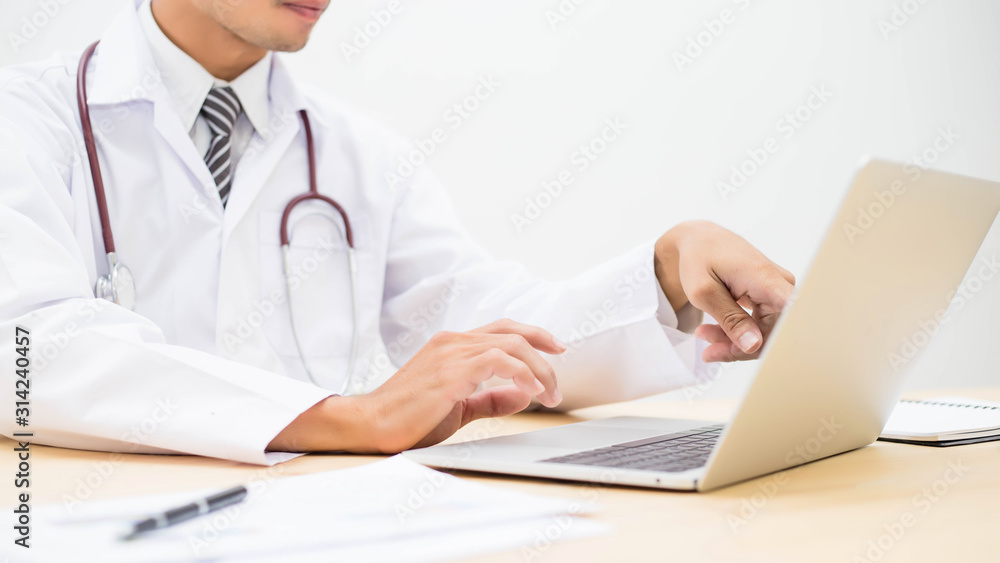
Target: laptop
(832, 369)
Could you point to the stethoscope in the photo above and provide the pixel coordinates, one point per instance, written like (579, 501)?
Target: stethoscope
(119, 285)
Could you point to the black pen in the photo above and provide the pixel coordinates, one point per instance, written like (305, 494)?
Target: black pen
(188, 511)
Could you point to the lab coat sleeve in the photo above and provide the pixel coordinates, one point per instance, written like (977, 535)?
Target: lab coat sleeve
(102, 377)
(625, 341)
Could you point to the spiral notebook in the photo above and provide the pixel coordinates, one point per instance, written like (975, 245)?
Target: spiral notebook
(948, 421)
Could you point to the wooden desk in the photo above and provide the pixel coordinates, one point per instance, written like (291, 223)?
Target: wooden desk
(831, 510)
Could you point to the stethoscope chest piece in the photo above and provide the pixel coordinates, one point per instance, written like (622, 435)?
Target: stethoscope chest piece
(118, 286)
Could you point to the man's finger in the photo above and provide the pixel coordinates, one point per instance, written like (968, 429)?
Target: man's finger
(495, 362)
(712, 333)
(726, 352)
(518, 347)
(534, 377)
(789, 277)
(493, 402)
(721, 348)
(738, 325)
(773, 291)
(539, 338)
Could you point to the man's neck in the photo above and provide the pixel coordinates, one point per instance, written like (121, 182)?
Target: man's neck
(220, 52)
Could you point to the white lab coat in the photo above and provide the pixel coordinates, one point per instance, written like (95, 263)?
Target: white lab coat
(206, 364)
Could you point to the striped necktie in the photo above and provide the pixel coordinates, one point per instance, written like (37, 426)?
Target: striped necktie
(221, 110)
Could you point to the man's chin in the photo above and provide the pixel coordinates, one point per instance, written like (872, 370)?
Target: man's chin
(286, 46)
(275, 40)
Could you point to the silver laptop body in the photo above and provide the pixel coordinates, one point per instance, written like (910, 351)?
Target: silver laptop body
(831, 371)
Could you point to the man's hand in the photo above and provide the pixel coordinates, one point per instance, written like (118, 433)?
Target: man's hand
(435, 393)
(722, 274)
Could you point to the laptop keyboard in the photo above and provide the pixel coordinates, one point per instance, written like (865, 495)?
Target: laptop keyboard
(670, 452)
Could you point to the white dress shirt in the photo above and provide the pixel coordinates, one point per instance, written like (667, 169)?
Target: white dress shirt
(188, 84)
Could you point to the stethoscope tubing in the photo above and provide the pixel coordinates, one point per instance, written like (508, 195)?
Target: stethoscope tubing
(106, 284)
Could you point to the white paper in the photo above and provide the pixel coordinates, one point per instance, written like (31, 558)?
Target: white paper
(348, 511)
(531, 539)
(929, 419)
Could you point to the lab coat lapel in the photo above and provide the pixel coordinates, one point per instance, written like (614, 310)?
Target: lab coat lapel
(124, 72)
(169, 126)
(257, 164)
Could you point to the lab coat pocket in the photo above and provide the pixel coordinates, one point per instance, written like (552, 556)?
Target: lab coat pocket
(317, 287)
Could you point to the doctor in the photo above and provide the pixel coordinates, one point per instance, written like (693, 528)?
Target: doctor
(201, 143)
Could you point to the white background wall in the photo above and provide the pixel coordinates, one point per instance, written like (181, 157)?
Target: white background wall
(892, 90)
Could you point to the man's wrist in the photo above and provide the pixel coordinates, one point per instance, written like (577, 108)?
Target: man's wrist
(333, 424)
(666, 266)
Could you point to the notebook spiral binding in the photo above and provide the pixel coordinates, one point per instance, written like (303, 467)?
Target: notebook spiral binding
(943, 404)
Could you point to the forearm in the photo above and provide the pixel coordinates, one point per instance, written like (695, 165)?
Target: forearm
(333, 424)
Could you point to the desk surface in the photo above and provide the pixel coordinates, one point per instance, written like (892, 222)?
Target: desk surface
(838, 509)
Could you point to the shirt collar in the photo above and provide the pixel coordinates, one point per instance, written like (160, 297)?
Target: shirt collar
(124, 71)
(188, 83)
(251, 88)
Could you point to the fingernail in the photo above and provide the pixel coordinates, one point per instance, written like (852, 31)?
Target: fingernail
(748, 341)
(559, 343)
(557, 396)
(539, 387)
